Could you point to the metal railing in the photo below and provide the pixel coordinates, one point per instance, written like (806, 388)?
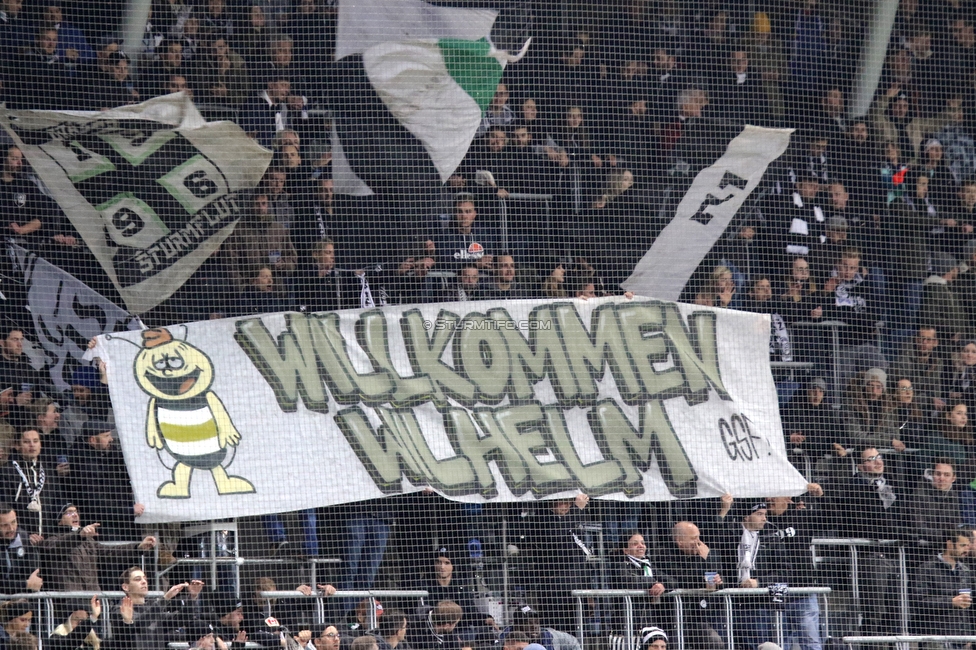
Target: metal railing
(727, 595)
(835, 327)
(320, 598)
(237, 562)
(810, 461)
(47, 620)
(521, 196)
(905, 639)
(853, 544)
(45, 608)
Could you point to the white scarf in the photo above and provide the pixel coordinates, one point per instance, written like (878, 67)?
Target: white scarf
(748, 550)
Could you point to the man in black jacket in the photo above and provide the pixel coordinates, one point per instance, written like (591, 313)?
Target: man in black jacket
(692, 564)
(870, 504)
(560, 552)
(141, 623)
(20, 564)
(934, 505)
(943, 590)
(790, 531)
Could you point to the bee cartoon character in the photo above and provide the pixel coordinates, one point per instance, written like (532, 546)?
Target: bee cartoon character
(185, 417)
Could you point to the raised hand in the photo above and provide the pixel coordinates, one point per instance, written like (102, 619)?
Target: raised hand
(89, 531)
(35, 582)
(127, 609)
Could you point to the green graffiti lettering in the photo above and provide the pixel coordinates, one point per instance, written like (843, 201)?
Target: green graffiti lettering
(480, 354)
(590, 352)
(482, 448)
(372, 335)
(288, 365)
(453, 475)
(632, 447)
(643, 328)
(411, 455)
(426, 357)
(601, 477)
(525, 428)
(381, 456)
(696, 351)
(543, 354)
(371, 388)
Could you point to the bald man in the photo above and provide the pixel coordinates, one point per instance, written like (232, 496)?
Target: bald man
(692, 564)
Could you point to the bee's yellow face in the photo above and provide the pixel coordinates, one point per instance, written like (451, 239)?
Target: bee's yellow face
(173, 371)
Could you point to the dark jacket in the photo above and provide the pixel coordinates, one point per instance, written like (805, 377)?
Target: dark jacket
(18, 561)
(74, 560)
(862, 512)
(934, 587)
(459, 591)
(154, 624)
(933, 511)
(631, 573)
(688, 572)
(787, 544)
(111, 504)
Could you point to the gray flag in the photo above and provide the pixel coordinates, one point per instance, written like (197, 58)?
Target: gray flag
(67, 313)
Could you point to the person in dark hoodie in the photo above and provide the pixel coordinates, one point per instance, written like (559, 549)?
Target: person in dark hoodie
(436, 630)
(97, 460)
(448, 583)
(934, 505)
(791, 527)
(811, 425)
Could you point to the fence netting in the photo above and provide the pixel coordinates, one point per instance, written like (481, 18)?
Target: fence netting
(362, 324)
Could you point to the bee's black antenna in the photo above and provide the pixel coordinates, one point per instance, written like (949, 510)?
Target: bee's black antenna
(110, 337)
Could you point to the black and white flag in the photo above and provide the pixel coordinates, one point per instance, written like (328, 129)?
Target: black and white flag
(705, 212)
(153, 188)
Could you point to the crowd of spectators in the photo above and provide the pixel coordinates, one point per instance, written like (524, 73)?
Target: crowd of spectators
(866, 221)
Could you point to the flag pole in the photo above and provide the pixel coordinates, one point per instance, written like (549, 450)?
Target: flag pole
(136, 17)
(873, 56)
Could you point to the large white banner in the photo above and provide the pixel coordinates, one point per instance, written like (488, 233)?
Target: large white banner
(152, 188)
(704, 213)
(488, 401)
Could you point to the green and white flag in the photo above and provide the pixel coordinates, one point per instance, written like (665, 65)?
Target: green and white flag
(365, 23)
(434, 69)
(439, 91)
